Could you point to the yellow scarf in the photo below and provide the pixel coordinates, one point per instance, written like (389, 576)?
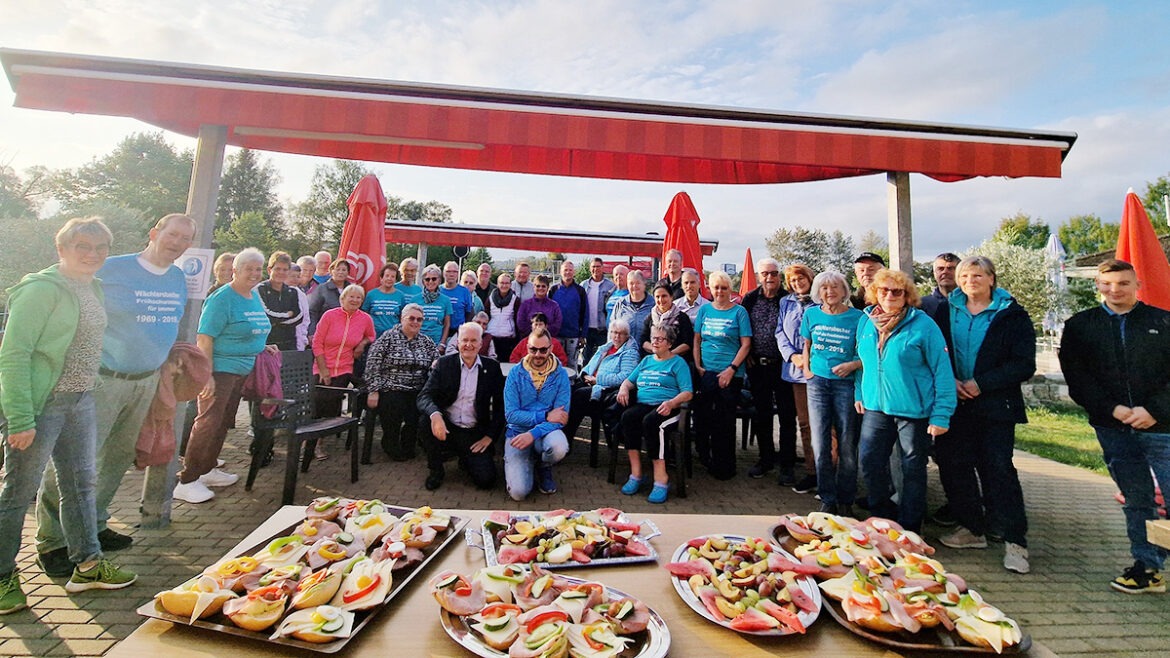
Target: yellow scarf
(539, 376)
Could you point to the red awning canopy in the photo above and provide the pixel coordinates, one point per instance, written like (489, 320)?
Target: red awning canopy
(531, 239)
(470, 128)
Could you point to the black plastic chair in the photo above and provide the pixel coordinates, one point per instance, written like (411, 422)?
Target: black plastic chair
(295, 424)
(679, 433)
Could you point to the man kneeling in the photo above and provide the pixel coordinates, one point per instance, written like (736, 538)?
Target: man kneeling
(536, 401)
(462, 406)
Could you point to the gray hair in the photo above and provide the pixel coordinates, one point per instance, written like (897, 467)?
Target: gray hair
(635, 275)
(982, 262)
(482, 315)
(828, 277)
(471, 328)
(307, 261)
(408, 261)
(249, 255)
(667, 330)
(413, 307)
(674, 252)
(430, 268)
(619, 323)
(78, 226)
(353, 286)
(691, 271)
(767, 260)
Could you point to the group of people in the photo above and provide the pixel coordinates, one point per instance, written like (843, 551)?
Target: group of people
(875, 381)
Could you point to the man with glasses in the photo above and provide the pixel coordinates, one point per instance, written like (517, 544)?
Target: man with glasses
(944, 279)
(463, 411)
(536, 399)
(145, 296)
(771, 394)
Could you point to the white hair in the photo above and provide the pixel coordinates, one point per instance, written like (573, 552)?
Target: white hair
(351, 287)
(471, 328)
(249, 255)
(828, 277)
(767, 260)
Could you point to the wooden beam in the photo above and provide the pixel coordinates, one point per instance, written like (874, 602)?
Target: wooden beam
(202, 197)
(422, 260)
(898, 219)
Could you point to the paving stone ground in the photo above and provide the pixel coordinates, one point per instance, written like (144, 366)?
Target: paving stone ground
(1077, 543)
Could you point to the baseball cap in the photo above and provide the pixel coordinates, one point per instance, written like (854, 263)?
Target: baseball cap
(869, 255)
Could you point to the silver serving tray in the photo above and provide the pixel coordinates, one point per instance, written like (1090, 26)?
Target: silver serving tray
(655, 644)
(220, 623)
(485, 540)
(807, 585)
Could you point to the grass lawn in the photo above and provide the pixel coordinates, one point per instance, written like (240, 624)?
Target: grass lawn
(1062, 435)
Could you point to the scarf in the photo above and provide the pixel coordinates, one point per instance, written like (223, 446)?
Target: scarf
(539, 376)
(804, 300)
(501, 302)
(430, 297)
(658, 317)
(885, 323)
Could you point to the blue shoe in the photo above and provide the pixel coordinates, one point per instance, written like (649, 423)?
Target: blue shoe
(631, 486)
(658, 494)
(545, 481)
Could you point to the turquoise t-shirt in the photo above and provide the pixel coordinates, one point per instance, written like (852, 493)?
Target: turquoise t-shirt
(433, 314)
(659, 381)
(720, 332)
(384, 307)
(239, 327)
(832, 339)
(413, 293)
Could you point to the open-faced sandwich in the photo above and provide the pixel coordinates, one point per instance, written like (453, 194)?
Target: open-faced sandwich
(320, 624)
(200, 597)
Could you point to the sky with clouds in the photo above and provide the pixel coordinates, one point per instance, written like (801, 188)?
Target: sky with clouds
(1100, 69)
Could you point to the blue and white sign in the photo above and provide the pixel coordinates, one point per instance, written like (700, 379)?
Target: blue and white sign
(196, 266)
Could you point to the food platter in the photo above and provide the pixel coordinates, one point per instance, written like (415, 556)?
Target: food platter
(654, 642)
(486, 537)
(936, 639)
(805, 584)
(219, 622)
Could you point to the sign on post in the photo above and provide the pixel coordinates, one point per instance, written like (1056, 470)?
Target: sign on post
(196, 265)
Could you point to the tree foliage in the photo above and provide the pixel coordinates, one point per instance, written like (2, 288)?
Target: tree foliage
(249, 186)
(1155, 204)
(1020, 229)
(143, 173)
(1023, 272)
(816, 248)
(1087, 234)
(316, 222)
(250, 229)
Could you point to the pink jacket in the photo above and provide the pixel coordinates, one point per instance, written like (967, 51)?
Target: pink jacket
(181, 377)
(264, 381)
(337, 334)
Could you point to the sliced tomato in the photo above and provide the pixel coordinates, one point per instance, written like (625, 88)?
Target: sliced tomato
(545, 618)
(499, 610)
(365, 591)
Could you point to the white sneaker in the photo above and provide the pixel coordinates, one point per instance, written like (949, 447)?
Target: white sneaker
(193, 492)
(218, 478)
(219, 463)
(1015, 558)
(963, 538)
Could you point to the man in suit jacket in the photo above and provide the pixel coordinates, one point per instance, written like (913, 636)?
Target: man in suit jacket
(462, 405)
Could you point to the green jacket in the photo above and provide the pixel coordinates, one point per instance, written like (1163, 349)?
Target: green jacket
(42, 319)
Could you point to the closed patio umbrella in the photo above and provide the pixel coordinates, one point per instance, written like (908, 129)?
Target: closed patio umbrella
(682, 233)
(363, 239)
(1138, 245)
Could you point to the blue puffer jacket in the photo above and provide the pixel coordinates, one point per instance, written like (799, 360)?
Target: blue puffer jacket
(525, 408)
(613, 370)
(911, 377)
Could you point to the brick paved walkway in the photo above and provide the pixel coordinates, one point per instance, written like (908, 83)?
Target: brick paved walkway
(1077, 544)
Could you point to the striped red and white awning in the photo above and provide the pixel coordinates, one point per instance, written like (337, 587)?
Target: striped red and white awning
(470, 128)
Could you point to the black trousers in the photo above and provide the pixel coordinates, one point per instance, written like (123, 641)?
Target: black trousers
(641, 426)
(327, 404)
(504, 346)
(480, 467)
(770, 391)
(982, 485)
(715, 424)
(399, 415)
(580, 406)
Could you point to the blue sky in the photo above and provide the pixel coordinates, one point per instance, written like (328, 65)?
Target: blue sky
(1100, 69)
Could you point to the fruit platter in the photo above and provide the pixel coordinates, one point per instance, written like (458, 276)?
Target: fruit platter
(745, 584)
(317, 583)
(514, 610)
(881, 583)
(564, 538)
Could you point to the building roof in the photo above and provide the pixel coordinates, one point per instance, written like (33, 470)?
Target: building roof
(522, 132)
(1093, 260)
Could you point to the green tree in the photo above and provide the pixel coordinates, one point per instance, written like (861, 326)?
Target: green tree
(316, 222)
(143, 173)
(20, 197)
(248, 230)
(1087, 234)
(249, 185)
(1155, 204)
(874, 242)
(1020, 229)
(1022, 271)
(816, 248)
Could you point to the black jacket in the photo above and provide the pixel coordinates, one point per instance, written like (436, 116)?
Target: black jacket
(1104, 371)
(1006, 359)
(442, 388)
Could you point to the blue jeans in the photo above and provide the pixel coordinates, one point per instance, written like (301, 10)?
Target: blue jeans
(67, 434)
(879, 434)
(518, 470)
(830, 407)
(1130, 455)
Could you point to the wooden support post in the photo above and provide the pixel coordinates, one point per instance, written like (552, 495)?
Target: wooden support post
(202, 198)
(422, 260)
(898, 218)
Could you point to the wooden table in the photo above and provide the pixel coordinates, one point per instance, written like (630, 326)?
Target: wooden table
(411, 627)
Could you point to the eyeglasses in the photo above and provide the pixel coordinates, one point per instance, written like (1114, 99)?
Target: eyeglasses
(770, 273)
(892, 292)
(430, 278)
(412, 318)
(87, 248)
(538, 350)
(658, 339)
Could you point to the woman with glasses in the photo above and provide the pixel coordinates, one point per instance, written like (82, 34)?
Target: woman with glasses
(607, 369)
(396, 370)
(828, 358)
(652, 394)
(470, 281)
(723, 338)
(436, 307)
(906, 396)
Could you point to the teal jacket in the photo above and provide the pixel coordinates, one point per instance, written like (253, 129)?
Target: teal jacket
(42, 319)
(911, 377)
